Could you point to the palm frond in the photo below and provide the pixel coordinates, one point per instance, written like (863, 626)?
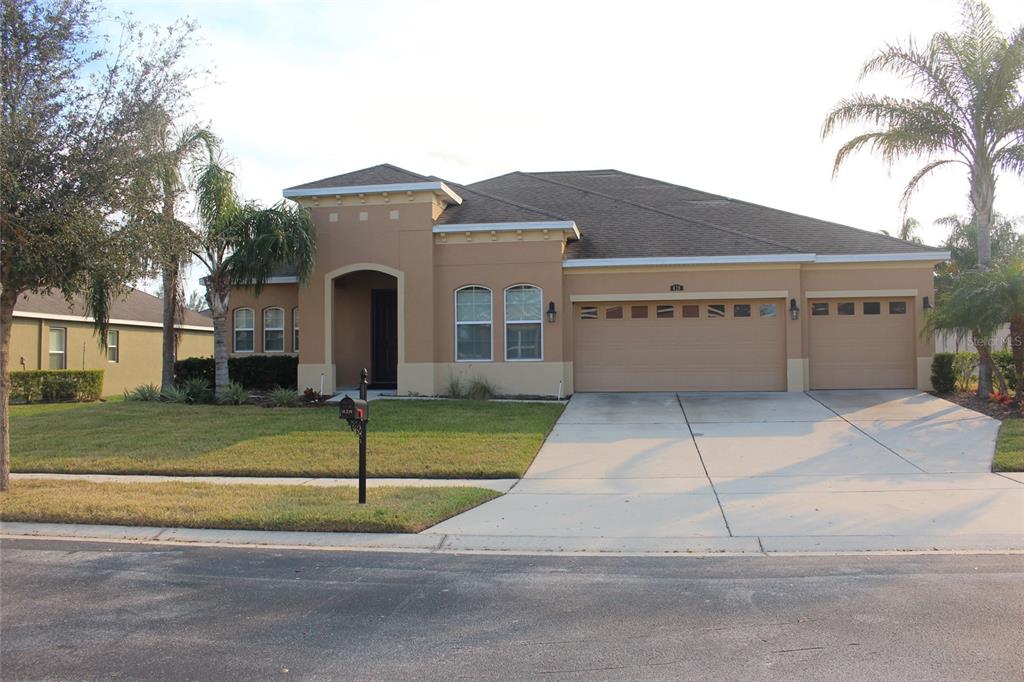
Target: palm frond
(912, 185)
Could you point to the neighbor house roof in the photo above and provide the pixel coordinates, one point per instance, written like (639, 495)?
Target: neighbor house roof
(621, 215)
(137, 308)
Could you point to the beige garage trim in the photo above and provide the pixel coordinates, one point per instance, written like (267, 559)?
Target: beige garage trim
(861, 350)
(708, 352)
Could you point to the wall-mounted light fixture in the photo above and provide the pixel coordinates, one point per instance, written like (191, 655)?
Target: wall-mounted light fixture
(794, 311)
(551, 311)
(926, 303)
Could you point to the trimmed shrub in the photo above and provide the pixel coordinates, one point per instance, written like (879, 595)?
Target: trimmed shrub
(254, 372)
(943, 376)
(145, 393)
(1003, 360)
(57, 385)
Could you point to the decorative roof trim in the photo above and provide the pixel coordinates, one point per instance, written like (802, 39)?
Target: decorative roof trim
(561, 225)
(437, 187)
(125, 323)
(934, 256)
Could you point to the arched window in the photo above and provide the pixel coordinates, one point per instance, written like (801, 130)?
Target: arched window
(524, 329)
(472, 324)
(295, 330)
(273, 330)
(244, 327)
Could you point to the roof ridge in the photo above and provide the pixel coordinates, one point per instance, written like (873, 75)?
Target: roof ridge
(508, 201)
(401, 170)
(696, 221)
(772, 208)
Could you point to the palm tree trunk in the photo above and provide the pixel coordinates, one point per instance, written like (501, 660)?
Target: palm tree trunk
(983, 191)
(7, 300)
(171, 274)
(984, 365)
(1016, 338)
(219, 297)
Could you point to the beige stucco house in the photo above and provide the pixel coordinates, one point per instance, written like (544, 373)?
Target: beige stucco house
(50, 333)
(551, 283)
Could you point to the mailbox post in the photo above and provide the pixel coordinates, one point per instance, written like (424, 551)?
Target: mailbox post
(357, 414)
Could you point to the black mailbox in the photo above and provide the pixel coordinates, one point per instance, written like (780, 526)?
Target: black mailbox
(354, 410)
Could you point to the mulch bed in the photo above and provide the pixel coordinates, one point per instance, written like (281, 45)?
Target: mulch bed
(988, 407)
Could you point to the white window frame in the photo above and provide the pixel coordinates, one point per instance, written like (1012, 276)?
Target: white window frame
(504, 331)
(51, 352)
(489, 323)
(295, 329)
(264, 329)
(235, 329)
(116, 345)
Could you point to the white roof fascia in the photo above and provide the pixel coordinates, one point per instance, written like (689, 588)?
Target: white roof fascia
(934, 256)
(561, 225)
(435, 186)
(125, 323)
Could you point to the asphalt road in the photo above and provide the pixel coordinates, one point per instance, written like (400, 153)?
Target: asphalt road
(77, 610)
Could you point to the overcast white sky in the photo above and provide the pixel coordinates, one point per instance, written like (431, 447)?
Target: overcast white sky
(726, 97)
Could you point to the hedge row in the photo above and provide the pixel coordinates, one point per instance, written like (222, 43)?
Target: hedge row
(255, 372)
(56, 385)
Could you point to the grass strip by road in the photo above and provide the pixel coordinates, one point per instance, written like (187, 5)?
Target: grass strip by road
(1010, 447)
(237, 507)
(407, 438)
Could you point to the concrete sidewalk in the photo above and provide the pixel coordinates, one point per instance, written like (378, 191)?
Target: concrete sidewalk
(502, 485)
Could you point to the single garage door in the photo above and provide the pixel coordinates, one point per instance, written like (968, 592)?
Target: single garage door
(862, 343)
(673, 346)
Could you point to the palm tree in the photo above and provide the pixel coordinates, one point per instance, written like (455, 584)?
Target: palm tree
(907, 231)
(1002, 291)
(962, 241)
(969, 110)
(242, 244)
(175, 153)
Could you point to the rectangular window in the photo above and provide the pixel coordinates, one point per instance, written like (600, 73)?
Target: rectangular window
(741, 310)
(638, 312)
(473, 324)
(588, 312)
(113, 345)
(691, 311)
(768, 310)
(273, 330)
(523, 323)
(245, 339)
(665, 311)
(845, 309)
(819, 309)
(897, 307)
(716, 311)
(295, 330)
(872, 308)
(58, 348)
(613, 312)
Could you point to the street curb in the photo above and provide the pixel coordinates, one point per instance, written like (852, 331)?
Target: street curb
(521, 545)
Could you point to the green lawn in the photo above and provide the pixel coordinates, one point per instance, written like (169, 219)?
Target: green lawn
(1010, 447)
(252, 507)
(414, 438)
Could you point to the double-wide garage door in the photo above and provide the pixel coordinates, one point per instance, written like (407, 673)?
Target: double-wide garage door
(673, 346)
(862, 343)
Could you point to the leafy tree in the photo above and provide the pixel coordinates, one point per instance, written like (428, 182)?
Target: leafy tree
(1002, 291)
(241, 245)
(197, 302)
(71, 112)
(962, 241)
(969, 111)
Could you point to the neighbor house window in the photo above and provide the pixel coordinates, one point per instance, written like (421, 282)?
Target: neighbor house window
(295, 330)
(58, 348)
(872, 308)
(473, 324)
(768, 310)
(113, 345)
(845, 309)
(897, 307)
(716, 311)
(273, 330)
(245, 321)
(524, 313)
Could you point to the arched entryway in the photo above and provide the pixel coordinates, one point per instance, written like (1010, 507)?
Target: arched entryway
(364, 303)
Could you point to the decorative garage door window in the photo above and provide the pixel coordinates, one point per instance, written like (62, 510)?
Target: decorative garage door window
(691, 311)
(741, 310)
(768, 310)
(819, 309)
(523, 326)
(665, 311)
(588, 312)
(872, 308)
(273, 330)
(473, 324)
(846, 308)
(716, 311)
(244, 329)
(897, 307)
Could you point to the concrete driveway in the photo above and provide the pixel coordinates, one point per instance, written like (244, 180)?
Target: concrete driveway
(828, 470)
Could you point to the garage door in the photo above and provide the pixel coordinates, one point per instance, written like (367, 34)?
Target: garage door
(862, 343)
(673, 346)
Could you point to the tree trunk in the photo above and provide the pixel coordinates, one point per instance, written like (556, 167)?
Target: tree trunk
(219, 297)
(985, 366)
(171, 274)
(7, 300)
(983, 192)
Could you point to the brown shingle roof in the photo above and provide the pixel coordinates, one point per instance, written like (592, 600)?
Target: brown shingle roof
(137, 306)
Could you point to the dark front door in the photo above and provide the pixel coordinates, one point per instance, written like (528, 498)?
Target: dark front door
(384, 337)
